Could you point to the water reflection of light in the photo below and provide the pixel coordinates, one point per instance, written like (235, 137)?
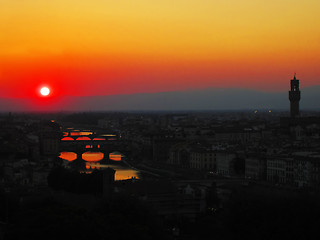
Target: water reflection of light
(67, 139)
(80, 133)
(126, 174)
(92, 165)
(65, 134)
(108, 135)
(101, 139)
(92, 156)
(122, 173)
(69, 156)
(83, 139)
(115, 156)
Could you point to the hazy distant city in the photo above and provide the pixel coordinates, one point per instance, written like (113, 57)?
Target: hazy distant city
(209, 99)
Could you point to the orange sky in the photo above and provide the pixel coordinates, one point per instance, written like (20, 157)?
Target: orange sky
(101, 47)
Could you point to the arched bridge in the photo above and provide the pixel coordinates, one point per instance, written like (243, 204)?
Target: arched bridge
(83, 144)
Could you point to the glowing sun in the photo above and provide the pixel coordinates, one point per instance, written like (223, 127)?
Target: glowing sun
(44, 91)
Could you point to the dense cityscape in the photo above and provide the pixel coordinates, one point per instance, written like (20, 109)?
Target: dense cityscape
(161, 175)
(159, 120)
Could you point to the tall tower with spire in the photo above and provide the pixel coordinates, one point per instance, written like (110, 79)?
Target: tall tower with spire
(294, 97)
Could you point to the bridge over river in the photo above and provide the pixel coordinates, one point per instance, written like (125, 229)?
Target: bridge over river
(90, 146)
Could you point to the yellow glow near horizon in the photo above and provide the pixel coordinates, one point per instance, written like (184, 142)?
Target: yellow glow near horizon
(179, 27)
(176, 41)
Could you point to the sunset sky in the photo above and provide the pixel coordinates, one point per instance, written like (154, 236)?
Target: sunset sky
(102, 47)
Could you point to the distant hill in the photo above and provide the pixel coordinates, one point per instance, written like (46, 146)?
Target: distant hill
(207, 99)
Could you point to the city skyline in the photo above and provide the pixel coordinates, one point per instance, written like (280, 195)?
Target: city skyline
(163, 120)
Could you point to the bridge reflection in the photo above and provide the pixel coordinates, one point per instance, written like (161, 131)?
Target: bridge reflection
(92, 148)
(69, 156)
(88, 151)
(90, 156)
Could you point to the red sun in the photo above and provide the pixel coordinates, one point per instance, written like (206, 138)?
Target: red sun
(45, 91)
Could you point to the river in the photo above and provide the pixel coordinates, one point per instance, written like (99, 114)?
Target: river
(93, 158)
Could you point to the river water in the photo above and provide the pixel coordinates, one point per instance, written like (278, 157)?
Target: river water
(93, 159)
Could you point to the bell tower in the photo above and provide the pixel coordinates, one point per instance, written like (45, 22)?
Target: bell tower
(294, 97)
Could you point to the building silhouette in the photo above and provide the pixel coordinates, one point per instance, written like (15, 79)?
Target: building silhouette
(294, 97)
